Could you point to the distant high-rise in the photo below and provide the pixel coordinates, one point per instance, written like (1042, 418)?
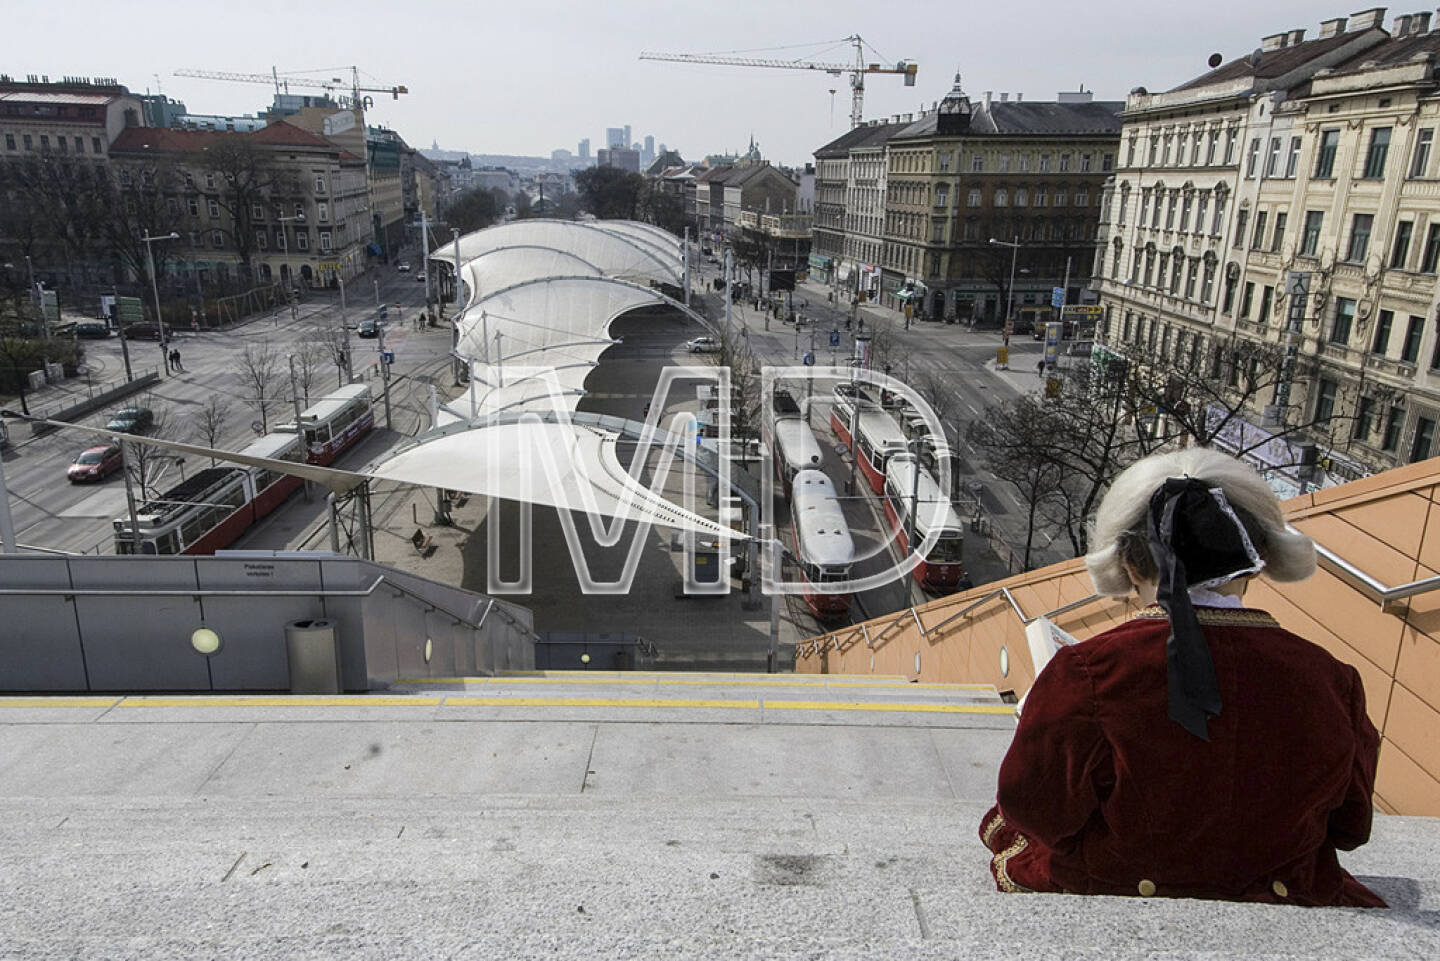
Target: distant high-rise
(626, 143)
(647, 155)
(585, 149)
(617, 137)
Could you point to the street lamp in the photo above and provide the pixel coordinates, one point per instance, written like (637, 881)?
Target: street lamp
(290, 283)
(155, 289)
(1010, 291)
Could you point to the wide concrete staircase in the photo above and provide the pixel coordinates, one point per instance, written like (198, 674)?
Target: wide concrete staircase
(581, 816)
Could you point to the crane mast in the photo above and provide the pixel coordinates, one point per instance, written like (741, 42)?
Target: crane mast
(283, 84)
(856, 70)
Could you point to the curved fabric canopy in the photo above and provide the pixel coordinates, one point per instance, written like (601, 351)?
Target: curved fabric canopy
(570, 466)
(616, 252)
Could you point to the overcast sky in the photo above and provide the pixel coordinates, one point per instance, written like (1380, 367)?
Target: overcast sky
(531, 76)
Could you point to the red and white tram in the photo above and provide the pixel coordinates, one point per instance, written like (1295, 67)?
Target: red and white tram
(943, 569)
(334, 423)
(823, 544)
(879, 438)
(794, 448)
(209, 511)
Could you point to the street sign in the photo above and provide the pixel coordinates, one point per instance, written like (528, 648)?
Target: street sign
(834, 338)
(387, 357)
(128, 310)
(1057, 296)
(809, 358)
(383, 310)
(1082, 312)
(1297, 284)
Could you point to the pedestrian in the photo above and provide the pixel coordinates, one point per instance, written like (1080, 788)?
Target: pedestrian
(1040, 368)
(175, 360)
(645, 414)
(1198, 749)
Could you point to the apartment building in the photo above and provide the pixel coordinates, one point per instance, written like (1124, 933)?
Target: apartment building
(1028, 174)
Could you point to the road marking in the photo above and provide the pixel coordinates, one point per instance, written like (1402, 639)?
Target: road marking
(58, 701)
(292, 700)
(903, 708)
(596, 702)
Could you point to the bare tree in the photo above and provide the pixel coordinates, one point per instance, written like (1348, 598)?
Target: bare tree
(245, 177)
(260, 380)
(311, 355)
(336, 350)
(209, 420)
(745, 381)
(149, 465)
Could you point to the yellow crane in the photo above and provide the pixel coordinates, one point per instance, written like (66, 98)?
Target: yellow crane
(856, 70)
(282, 83)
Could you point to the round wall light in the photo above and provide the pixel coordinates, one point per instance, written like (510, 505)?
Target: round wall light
(1004, 661)
(206, 641)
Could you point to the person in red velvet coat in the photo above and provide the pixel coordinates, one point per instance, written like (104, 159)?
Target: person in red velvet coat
(1199, 749)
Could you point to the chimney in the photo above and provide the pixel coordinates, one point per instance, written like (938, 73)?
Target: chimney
(1367, 19)
(1297, 37)
(987, 99)
(1004, 97)
(1402, 25)
(1421, 23)
(1273, 42)
(1019, 96)
(1331, 28)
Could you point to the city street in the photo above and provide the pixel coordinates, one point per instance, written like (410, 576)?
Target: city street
(52, 514)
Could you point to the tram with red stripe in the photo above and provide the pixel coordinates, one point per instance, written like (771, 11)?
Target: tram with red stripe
(910, 486)
(792, 443)
(822, 542)
(334, 423)
(879, 436)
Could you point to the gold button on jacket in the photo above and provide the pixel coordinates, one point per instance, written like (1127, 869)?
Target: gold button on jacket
(1146, 888)
(1280, 889)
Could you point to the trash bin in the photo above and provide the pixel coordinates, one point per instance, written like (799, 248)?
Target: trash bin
(311, 648)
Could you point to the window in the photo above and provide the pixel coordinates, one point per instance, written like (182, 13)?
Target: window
(261, 241)
(1364, 413)
(1292, 164)
(1421, 160)
(1082, 198)
(1400, 253)
(1231, 280)
(1207, 285)
(1344, 316)
(977, 163)
(299, 210)
(1375, 156)
(280, 240)
(217, 239)
(1432, 250)
(1325, 401)
(1272, 162)
(320, 182)
(95, 146)
(1170, 209)
(1084, 163)
(1394, 423)
(1154, 148)
(1192, 270)
(1247, 300)
(974, 199)
(10, 141)
(257, 212)
(1195, 150)
(1267, 294)
(302, 238)
(322, 209)
(1175, 275)
(1219, 213)
(1130, 152)
(1252, 159)
(1044, 163)
(44, 143)
(1325, 161)
(214, 209)
(1383, 323)
(192, 204)
(1435, 355)
(1258, 239)
(60, 142)
(125, 179)
(1424, 437)
(325, 240)
(1185, 213)
(1060, 197)
(1278, 239)
(1107, 162)
(25, 139)
(1242, 219)
(1064, 163)
(210, 181)
(1200, 208)
(1212, 148)
(1410, 350)
(1003, 165)
(1310, 241)
(944, 166)
(1002, 198)
(1359, 237)
(1022, 197)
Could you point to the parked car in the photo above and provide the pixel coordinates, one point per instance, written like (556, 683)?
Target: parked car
(131, 420)
(703, 345)
(94, 464)
(420, 277)
(94, 330)
(368, 328)
(145, 332)
(404, 268)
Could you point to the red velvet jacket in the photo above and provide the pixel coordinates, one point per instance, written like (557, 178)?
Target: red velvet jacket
(1101, 793)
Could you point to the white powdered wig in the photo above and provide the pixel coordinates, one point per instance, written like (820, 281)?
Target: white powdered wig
(1290, 555)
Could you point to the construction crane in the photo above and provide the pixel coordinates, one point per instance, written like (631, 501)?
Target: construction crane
(282, 84)
(856, 70)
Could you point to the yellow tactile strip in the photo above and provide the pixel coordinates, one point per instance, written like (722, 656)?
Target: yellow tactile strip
(362, 700)
(760, 681)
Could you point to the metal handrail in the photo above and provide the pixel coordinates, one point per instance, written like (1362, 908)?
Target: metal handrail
(1367, 584)
(380, 580)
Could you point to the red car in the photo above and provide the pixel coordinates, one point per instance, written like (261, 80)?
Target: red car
(94, 464)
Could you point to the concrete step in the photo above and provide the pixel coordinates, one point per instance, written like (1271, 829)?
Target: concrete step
(605, 877)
